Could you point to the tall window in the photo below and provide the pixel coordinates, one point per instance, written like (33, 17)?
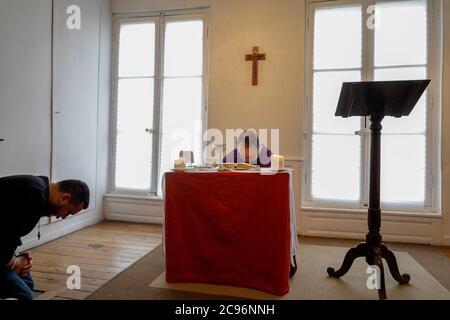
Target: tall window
(160, 97)
(371, 40)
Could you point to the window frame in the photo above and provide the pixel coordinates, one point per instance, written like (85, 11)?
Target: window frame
(434, 71)
(160, 18)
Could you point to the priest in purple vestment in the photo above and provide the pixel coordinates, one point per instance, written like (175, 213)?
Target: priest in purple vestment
(249, 150)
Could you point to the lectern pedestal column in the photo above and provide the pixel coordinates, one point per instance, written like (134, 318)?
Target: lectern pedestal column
(373, 249)
(377, 99)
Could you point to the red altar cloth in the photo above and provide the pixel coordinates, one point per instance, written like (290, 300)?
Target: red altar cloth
(228, 228)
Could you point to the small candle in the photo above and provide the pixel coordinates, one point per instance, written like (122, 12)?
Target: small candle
(277, 162)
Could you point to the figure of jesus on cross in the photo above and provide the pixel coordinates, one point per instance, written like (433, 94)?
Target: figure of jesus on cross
(255, 57)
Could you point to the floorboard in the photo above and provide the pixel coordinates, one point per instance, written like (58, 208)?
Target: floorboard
(101, 251)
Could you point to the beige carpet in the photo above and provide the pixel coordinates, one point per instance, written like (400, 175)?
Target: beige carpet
(312, 283)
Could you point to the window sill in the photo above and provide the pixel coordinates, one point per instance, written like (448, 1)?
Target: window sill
(384, 212)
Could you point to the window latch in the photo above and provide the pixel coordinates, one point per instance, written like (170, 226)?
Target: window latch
(360, 133)
(151, 131)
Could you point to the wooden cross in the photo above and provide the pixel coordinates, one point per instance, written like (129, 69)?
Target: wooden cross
(255, 57)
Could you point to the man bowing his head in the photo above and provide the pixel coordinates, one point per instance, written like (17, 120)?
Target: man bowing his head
(24, 200)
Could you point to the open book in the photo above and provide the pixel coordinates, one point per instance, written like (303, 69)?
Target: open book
(239, 166)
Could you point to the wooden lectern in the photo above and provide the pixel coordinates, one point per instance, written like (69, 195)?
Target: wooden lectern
(377, 100)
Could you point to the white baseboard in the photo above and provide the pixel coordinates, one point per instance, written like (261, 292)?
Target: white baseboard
(446, 241)
(395, 228)
(139, 210)
(126, 217)
(59, 229)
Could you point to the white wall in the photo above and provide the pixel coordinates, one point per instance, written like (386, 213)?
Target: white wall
(25, 80)
(149, 5)
(278, 28)
(75, 93)
(57, 229)
(446, 127)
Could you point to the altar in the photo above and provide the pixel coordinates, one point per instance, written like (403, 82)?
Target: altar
(230, 228)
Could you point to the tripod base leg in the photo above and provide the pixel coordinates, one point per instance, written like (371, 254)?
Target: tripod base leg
(389, 256)
(350, 257)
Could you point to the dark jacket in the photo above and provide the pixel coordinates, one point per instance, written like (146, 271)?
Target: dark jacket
(23, 201)
(264, 157)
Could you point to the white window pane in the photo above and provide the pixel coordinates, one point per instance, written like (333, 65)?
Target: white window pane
(336, 167)
(134, 145)
(135, 105)
(403, 168)
(137, 50)
(133, 161)
(184, 48)
(403, 73)
(401, 33)
(327, 88)
(182, 121)
(338, 37)
(417, 120)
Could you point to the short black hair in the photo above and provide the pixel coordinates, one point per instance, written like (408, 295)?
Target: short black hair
(249, 137)
(77, 189)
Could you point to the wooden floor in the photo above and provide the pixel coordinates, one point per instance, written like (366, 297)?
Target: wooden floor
(106, 249)
(447, 252)
(101, 252)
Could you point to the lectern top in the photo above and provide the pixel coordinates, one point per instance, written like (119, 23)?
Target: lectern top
(380, 98)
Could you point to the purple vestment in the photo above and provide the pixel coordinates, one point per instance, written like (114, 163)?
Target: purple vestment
(264, 157)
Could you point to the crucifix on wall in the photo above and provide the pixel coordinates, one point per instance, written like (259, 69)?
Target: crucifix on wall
(255, 57)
